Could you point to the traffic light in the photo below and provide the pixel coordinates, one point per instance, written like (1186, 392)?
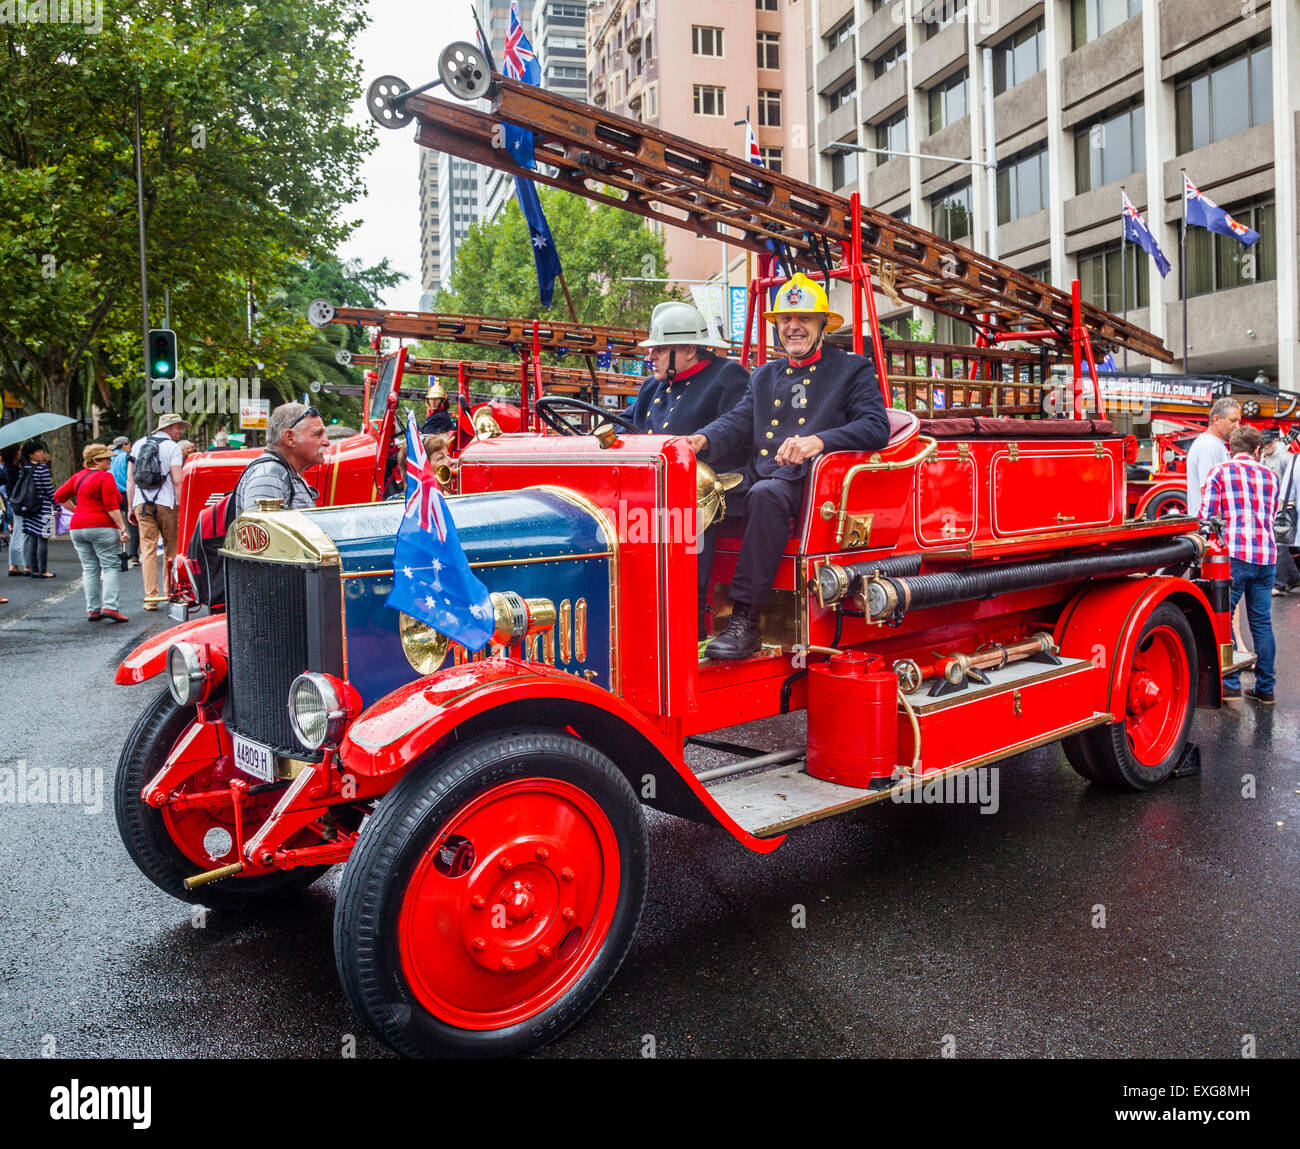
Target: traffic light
(162, 353)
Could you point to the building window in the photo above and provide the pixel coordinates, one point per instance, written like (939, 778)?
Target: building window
(948, 101)
(903, 214)
(891, 136)
(842, 95)
(709, 101)
(1224, 98)
(616, 88)
(769, 50)
(844, 169)
(891, 57)
(952, 331)
(652, 102)
(1101, 282)
(951, 212)
(765, 5)
(769, 107)
(1219, 262)
(938, 14)
(706, 41)
(836, 38)
(1110, 149)
(1022, 185)
(1019, 57)
(1092, 18)
(1040, 271)
(649, 46)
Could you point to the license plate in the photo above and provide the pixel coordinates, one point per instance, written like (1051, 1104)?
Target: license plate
(255, 759)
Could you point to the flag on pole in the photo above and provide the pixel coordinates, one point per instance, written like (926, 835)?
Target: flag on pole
(520, 63)
(1136, 231)
(1108, 364)
(545, 258)
(432, 580)
(1201, 211)
(751, 145)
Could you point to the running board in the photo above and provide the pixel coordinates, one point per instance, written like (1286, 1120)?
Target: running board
(786, 797)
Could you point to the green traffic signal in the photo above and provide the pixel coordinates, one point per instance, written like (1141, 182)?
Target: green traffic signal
(162, 353)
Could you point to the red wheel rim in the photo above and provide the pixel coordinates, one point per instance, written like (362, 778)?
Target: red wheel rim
(1158, 689)
(510, 904)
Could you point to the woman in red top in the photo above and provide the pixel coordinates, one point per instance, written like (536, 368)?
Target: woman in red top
(98, 530)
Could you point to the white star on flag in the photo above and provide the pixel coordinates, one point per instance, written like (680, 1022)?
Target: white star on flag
(478, 610)
(407, 572)
(429, 602)
(539, 240)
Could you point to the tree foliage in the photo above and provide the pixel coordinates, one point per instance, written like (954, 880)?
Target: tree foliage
(247, 162)
(604, 251)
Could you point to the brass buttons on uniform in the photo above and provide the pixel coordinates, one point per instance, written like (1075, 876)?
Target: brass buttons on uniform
(776, 402)
(769, 434)
(776, 422)
(789, 370)
(801, 422)
(763, 451)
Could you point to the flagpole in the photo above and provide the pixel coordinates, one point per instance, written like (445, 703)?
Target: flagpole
(1182, 268)
(1123, 258)
(573, 314)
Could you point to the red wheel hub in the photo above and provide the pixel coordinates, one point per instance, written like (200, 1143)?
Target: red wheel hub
(1158, 690)
(497, 941)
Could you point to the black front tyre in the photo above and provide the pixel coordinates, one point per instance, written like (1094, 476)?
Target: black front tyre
(148, 840)
(493, 896)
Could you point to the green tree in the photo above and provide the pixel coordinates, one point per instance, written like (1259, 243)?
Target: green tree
(604, 251)
(248, 164)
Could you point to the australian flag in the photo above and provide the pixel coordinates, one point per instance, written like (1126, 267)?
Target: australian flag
(520, 63)
(1136, 231)
(545, 257)
(1202, 211)
(432, 580)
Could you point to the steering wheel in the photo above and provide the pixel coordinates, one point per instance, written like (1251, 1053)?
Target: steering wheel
(549, 408)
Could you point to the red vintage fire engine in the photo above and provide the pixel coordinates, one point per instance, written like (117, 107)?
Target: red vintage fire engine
(968, 592)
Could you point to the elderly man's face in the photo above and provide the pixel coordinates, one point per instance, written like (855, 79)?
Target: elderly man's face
(660, 357)
(304, 445)
(799, 333)
(1223, 425)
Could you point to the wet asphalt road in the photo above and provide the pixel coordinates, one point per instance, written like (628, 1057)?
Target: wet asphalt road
(920, 921)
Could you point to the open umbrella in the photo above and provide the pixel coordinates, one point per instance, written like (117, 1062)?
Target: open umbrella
(29, 426)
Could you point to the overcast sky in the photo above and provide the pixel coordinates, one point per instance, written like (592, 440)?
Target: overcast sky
(404, 39)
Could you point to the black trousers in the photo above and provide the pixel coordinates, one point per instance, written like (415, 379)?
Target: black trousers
(767, 506)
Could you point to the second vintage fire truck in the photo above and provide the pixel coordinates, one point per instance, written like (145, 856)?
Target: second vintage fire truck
(970, 591)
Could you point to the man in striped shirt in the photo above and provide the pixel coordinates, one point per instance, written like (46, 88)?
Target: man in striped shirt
(1243, 493)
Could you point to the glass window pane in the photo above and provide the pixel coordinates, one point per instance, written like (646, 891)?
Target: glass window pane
(1000, 60)
(1266, 248)
(1200, 111)
(1117, 149)
(1082, 164)
(1139, 120)
(1227, 262)
(936, 110)
(1113, 13)
(1183, 119)
(1004, 196)
(1200, 262)
(1261, 85)
(957, 101)
(1089, 285)
(1030, 190)
(1230, 93)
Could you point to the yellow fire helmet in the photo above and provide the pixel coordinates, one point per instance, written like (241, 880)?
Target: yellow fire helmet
(435, 392)
(803, 296)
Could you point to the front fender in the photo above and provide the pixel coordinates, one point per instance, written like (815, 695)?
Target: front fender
(150, 657)
(1105, 621)
(415, 720)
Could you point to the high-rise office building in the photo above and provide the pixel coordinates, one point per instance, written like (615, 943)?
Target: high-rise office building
(1087, 97)
(494, 18)
(694, 68)
(459, 197)
(558, 36)
(430, 271)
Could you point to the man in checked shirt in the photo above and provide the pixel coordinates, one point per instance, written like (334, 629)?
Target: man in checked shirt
(1243, 493)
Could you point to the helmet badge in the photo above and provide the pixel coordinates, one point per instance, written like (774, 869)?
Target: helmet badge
(793, 296)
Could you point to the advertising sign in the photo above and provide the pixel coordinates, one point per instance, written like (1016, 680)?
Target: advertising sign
(253, 414)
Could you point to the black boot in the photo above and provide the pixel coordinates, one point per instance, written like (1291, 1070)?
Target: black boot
(740, 639)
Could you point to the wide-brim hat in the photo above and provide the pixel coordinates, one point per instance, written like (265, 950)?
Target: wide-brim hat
(804, 296)
(170, 420)
(93, 452)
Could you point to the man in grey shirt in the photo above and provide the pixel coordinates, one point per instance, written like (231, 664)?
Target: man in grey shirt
(295, 442)
(1209, 449)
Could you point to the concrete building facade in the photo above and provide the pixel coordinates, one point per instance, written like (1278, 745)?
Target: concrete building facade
(1088, 97)
(558, 35)
(693, 67)
(494, 18)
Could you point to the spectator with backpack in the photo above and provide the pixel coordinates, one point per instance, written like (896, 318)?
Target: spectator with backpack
(98, 531)
(153, 481)
(34, 500)
(117, 467)
(295, 442)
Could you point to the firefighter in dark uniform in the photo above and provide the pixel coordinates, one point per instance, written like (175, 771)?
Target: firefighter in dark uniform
(689, 387)
(816, 399)
(438, 420)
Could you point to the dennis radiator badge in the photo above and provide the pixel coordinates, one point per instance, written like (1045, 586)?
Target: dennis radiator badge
(252, 537)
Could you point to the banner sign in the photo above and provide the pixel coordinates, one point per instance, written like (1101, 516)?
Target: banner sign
(253, 414)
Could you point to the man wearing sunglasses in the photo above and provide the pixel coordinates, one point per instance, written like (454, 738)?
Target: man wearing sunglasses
(295, 442)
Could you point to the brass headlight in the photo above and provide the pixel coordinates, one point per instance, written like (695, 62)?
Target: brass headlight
(424, 647)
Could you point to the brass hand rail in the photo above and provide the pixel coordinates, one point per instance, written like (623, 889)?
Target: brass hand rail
(877, 464)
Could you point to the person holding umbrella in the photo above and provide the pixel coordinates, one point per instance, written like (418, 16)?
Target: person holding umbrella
(12, 435)
(39, 527)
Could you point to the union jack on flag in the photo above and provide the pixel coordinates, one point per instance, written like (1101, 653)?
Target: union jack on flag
(423, 497)
(1201, 211)
(751, 145)
(520, 59)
